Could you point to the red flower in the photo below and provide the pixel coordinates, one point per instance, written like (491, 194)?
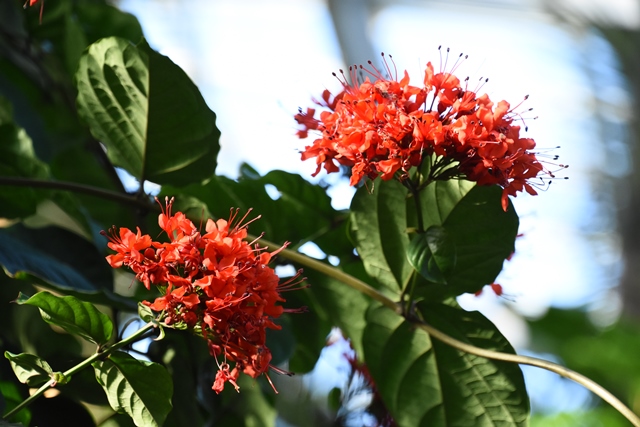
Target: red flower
(128, 246)
(386, 127)
(216, 283)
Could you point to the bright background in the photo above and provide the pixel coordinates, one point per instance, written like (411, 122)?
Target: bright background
(257, 61)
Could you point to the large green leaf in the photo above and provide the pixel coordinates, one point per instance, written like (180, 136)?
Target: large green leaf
(141, 389)
(468, 250)
(149, 114)
(71, 314)
(426, 383)
(379, 232)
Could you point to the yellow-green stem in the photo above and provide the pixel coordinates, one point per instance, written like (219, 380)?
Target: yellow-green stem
(88, 361)
(331, 271)
(467, 348)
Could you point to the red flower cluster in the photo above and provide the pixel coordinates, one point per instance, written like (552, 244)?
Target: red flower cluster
(386, 126)
(216, 284)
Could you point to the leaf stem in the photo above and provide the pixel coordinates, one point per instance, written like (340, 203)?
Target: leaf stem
(331, 271)
(77, 188)
(137, 335)
(467, 348)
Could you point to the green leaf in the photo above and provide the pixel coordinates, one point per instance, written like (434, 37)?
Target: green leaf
(18, 159)
(339, 304)
(71, 314)
(250, 407)
(302, 213)
(427, 383)
(141, 389)
(74, 42)
(21, 260)
(79, 165)
(29, 368)
(192, 368)
(149, 114)
(309, 329)
(379, 233)
(432, 254)
(483, 235)
(281, 342)
(438, 199)
(468, 249)
(104, 20)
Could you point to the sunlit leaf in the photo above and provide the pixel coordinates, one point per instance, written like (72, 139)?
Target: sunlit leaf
(29, 368)
(148, 113)
(140, 389)
(71, 314)
(438, 199)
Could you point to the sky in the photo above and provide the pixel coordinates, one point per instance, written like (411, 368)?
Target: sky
(257, 61)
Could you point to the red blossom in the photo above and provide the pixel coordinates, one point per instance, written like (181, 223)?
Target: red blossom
(386, 127)
(216, 283)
